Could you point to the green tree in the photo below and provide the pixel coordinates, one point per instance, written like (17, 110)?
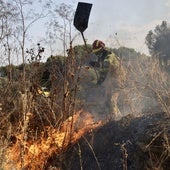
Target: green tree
(158, 42)
(126, 53)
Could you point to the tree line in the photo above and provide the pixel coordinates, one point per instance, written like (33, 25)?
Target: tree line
(15, 37)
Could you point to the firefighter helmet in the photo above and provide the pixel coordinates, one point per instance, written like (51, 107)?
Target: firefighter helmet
(97, 46)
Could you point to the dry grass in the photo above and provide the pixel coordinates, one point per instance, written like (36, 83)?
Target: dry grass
(33, 127)
(55, 141)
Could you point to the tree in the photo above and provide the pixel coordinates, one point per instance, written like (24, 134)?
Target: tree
(26, 18)
(16, 19)
(158, 42)
(126, 53)
(60, 25)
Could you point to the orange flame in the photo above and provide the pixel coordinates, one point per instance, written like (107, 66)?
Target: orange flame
(37, 152)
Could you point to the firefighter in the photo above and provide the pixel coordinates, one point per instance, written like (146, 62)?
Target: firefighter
(107, 66)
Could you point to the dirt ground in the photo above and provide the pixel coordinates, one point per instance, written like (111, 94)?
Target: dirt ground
(132, 143)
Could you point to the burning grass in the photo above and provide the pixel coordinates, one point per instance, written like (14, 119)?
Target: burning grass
(146, 89)
(32, 154)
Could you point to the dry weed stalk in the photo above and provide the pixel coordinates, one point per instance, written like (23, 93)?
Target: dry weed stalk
(92, 150)
(80, 157)
(125, 156)
(157, 160)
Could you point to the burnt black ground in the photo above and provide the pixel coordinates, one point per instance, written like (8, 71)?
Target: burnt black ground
(132, 143)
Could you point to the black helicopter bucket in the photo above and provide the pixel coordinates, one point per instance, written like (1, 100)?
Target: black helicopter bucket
(81, 17)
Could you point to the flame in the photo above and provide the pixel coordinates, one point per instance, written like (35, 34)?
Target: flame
(37, 152)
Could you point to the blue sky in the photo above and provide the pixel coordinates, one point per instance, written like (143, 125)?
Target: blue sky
(130, 20)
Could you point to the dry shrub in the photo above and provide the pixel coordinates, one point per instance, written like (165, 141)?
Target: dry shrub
(31, 123)
(146, 88)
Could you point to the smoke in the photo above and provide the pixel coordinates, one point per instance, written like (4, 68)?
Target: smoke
(143, 89)
(146, 87)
